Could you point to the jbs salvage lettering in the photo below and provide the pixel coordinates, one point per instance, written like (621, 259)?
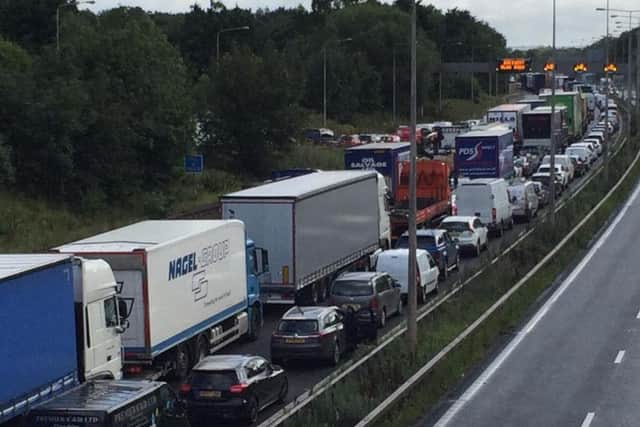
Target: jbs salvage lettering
(191, 262)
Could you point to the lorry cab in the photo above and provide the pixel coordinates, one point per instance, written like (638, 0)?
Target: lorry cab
(100, 319)
(112, 404)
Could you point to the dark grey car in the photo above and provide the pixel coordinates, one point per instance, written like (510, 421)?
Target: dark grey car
(375, 290)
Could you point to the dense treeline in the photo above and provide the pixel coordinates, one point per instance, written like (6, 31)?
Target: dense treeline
(109, 115)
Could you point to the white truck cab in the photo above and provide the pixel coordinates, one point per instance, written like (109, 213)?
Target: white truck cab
(96, 303)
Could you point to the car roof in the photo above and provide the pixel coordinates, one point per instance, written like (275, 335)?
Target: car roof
(359, 275)
(399, 252)
(224, 362)
(306, 313)
(426, 232)
(457, 218)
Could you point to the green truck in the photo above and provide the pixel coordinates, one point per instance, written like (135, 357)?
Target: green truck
(576, 119)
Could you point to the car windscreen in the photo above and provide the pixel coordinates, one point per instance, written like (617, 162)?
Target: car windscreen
(456, 226)
(423, 242)
(216, 380)
(300, 327)
(351, 288)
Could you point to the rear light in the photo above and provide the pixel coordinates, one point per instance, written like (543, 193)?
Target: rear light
(454, 210)
(418, 281)
(238, 388)
(133, 369)
(494, 215)
(185, 388)
(374, 303)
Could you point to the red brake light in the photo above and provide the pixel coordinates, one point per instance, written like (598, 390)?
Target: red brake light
(418, 279)
(374, 303)
(185, 388)
(238, 388)
(493, 214)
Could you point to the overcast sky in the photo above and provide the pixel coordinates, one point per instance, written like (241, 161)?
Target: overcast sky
(522, 22)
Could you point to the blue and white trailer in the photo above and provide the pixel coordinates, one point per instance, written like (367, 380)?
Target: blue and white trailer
(381, 156)
(191, 288)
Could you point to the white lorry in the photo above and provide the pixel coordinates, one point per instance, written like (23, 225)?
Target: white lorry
(511, 116)
(191, 287)
(313, 226)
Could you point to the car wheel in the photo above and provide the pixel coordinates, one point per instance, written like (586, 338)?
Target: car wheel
(399, 308)
(252, 410)
(283, 391)
(335, 357)
(382, 322)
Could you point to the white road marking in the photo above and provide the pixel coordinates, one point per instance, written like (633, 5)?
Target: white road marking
(619, 356)
(497, 363)
(587, 420)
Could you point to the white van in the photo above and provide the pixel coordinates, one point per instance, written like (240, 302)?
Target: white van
(565, 162)
(487, 199)
(395, 262)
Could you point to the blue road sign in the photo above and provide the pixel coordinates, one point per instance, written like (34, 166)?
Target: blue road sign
(194, 164)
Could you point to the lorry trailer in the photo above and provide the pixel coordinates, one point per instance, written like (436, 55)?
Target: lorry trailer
(313, 226)
(191, 286)
(484, 154)
(382, 157)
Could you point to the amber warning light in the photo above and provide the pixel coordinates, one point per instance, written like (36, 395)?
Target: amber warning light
(513, 64)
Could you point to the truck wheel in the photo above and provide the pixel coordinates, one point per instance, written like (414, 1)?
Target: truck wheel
(202, 349)
(256, 323)
(181, 370)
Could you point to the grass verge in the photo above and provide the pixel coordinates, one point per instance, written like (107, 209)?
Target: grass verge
(357, 394)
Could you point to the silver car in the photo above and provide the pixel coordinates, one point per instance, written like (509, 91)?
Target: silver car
(375, 290)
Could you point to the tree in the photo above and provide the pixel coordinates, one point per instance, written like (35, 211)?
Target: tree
(252, 109)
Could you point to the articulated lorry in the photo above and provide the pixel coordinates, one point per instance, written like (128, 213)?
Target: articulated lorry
(484, 154)
(191, 287)
(536, 127)
(511, 116)
(575, 118)
(433, 195)
(314, 227)
(61, 325)
(382, 157)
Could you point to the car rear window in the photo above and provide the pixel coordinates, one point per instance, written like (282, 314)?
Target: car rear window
(344, 288)
(456, 226)
(217, 380)
(299, 327)
(423, 241)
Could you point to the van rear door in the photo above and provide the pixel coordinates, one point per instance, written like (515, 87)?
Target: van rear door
(475, 200)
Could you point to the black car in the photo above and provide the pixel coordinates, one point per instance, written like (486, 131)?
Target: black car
(323, 333)
(233, 387)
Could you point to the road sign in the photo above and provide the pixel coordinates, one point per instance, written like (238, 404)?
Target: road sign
(194, 163)
(580, 67)
(513, 64)
(549, 66)
(611, 68)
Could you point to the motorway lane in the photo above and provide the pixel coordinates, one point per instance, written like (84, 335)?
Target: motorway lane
(303, 375)
(571, 363)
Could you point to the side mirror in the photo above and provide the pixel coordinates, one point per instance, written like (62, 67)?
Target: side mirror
(123, 326)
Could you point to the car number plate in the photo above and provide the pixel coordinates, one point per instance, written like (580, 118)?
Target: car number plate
(294, 340)
(355, 307)
(210, 394)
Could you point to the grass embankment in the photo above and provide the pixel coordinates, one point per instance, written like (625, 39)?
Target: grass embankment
(28, 225)
(357, 394)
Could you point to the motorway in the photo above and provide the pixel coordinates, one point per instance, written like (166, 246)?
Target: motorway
(304, 375)
(577, 362)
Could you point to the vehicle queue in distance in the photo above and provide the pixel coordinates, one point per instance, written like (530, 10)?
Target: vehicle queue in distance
(331, 244)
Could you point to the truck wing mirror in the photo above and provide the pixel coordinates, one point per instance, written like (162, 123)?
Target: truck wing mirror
(123, 326)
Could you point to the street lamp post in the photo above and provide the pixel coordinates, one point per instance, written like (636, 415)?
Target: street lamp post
(324, 79)
(58, 18)
(226, 30)
(552, 159)
(620, 24)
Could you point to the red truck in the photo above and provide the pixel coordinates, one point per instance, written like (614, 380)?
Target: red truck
(433, 194)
